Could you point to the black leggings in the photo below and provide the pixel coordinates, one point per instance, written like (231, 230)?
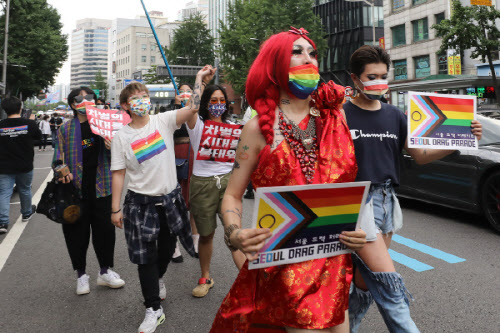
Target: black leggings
(43, 141)
(162, 251)
(96, 217)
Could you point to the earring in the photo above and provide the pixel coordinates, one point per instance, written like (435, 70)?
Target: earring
(351, 93)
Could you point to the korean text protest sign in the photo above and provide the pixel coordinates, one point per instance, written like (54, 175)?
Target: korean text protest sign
(219, 141)
(439, 121)
(306, 220)
(106, 122)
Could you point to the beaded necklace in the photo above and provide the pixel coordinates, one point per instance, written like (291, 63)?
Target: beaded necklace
(302, 142)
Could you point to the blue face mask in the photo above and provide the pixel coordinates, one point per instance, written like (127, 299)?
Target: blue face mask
(217, 109)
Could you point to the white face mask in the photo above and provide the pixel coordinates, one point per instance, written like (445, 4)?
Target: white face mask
(374, 89)
(100, 107)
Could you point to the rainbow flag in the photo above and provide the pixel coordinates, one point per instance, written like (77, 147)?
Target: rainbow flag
(145, 149)
(310, 214)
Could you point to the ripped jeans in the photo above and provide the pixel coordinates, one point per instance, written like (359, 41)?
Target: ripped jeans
(382, 214)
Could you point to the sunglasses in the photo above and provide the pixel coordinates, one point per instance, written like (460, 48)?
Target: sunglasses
(80, 98)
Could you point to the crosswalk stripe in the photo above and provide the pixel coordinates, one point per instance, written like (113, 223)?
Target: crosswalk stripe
(409, 262)
(449, 258)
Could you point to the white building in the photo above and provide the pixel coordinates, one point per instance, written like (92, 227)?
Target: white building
(413, 46)
(117, 26)
(137, 51)
(89, 51)
(192, 7)
(217, 11)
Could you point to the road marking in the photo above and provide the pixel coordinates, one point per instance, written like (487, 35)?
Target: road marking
(15, 203)
(17, 229)
(449, 258)
(42, 168)
(409, 262)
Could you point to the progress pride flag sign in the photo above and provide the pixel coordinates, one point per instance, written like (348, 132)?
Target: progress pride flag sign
(106, 122)
(219, 141)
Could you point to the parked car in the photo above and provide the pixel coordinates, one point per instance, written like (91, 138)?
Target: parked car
(467, 179)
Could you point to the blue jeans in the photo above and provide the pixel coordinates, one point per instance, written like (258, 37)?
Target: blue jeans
(23, 182)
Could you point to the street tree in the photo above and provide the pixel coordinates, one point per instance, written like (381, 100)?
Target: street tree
(472, 28)
(192, 43)
(100, 84)
(37, 47)
(251, 22)
(152, 78)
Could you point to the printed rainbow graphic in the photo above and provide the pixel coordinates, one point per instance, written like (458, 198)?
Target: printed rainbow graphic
(308, 76)
(448, 114)
(152, 145)
(308, 213)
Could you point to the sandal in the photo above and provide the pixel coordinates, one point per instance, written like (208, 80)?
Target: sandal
(203, 287)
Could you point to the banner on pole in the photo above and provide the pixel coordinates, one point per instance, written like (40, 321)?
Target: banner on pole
(440, 121)
(106, 122)
(306, 220)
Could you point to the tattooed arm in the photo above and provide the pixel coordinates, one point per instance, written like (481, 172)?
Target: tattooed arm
(189, 113)
(249, 241)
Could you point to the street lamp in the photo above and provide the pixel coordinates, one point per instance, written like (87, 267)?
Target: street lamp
(216, 46)
(372, 4)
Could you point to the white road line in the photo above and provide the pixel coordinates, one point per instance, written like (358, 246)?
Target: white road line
(42, 168)
(17, 229)
(15, 203)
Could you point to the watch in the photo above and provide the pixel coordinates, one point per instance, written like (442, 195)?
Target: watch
(227, 234)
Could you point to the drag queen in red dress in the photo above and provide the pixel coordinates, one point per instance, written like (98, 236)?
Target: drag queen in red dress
(298, 138)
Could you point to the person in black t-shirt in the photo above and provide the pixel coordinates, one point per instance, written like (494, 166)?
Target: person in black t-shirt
(16, 160)
(55, 122)
(379, 132)
(88, 157)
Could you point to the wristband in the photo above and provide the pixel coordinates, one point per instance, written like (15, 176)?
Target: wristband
(119, 210)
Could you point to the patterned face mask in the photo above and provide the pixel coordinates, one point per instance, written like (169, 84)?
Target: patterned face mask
(374, 89)
(217, 109)
(185, 96)
(303, 80)
(81, 107)
(140, 106)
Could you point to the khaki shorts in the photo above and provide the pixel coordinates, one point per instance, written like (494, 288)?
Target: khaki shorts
(205, 200)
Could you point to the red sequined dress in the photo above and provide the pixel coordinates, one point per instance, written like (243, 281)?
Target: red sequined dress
(309, 295)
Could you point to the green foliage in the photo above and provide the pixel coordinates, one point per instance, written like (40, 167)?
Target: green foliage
(151, 78)
(192, 43)
(251, 22)
(35, 41)
(100, 84)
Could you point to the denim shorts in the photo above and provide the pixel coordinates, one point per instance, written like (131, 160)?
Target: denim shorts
(382, 213)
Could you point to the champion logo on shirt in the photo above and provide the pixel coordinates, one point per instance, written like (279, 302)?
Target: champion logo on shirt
(145, 149)
(355, 134)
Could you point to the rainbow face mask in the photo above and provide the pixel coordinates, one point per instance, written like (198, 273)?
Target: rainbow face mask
(185, 96)
(375, 89)
(81, 107)
(303, 80)
(140, 106)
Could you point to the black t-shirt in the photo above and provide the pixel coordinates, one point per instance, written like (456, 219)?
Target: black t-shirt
(91, 144)
(55, 123)
(379, 137)
(16, 145)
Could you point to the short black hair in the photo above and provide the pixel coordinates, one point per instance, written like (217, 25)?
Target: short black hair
(365, 55)
(185, 84)
(76, 92)
(102, 100)
(12, 105)
(205, 100)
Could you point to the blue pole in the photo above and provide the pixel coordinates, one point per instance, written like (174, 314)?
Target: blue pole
(161, 49)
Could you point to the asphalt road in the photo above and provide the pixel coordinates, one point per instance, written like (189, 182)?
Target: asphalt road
(37, 284)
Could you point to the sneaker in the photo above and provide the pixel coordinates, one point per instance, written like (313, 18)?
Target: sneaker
(82, 285)
(163, 290)
(204, 285)
(3, 228)
(110, 279)
(152, 320)
(26, 218)
(177, 256)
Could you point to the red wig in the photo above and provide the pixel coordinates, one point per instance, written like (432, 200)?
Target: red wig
(269, 73)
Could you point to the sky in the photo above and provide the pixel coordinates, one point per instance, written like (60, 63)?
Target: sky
(107, 9)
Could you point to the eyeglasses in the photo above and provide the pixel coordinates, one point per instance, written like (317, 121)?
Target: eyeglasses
(80, 98)
(215, 101)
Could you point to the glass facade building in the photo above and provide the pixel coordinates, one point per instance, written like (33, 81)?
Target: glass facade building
(348, 26)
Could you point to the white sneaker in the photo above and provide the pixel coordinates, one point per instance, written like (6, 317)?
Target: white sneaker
(152, 320)
(82, 285)
(110, 279)
(196, 239)
(163, 289)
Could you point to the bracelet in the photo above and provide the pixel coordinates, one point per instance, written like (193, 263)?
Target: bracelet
(119, 210)
(227, 234)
